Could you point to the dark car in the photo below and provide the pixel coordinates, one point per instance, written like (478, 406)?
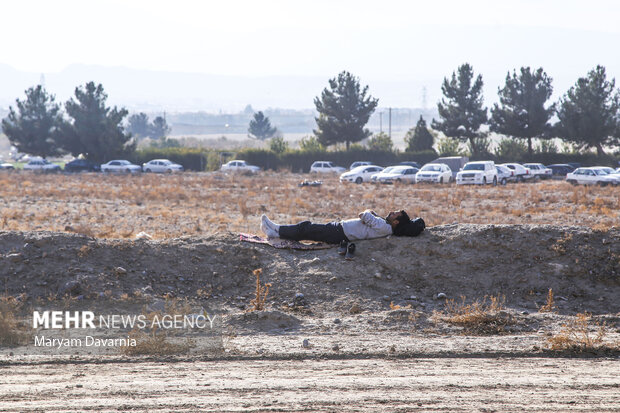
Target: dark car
(411, 163)
(82, 165)
(560, 169)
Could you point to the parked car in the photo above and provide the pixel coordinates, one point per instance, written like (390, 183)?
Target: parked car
(120, 166)
(559, 170)
(41, 165)
(435, 173)
(504, 174)
(609, 172)
(606, 169)
(411, 163)
(322, 167)
(521, 172)
(590, 176)
(359, 163)
(6, 166)
(360, 174)
(397, 173)
(239, 166)
(477, 173)
(539, 170)
(161, 166)
(82, 165)
(456, 163)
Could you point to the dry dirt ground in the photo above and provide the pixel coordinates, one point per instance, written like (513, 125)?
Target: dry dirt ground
(382, 331)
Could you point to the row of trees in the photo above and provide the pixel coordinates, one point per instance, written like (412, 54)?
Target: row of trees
(140, 127)
(37, 126)
(588, 115)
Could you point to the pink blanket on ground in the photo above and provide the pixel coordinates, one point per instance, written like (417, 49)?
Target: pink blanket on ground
(284, 243)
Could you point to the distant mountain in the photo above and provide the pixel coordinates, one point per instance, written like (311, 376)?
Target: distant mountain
(214, 104)
(143, 90)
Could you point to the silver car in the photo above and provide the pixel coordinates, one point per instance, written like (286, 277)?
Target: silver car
(161, 166)
(121, 166)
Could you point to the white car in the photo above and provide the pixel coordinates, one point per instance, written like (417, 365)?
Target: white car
(359, 163)
(609, 172)
(322, 167)
(522, 173)
(120, 166)
(590, 176)
(477, 173)
(41, 165)
(239, 166)
(398, 173)
(161, 166)
(434, 172)
(6, 165)
(539, 170)
(504, 174)
(360, 174)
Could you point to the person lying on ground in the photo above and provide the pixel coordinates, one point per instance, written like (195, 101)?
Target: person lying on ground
(367, 226)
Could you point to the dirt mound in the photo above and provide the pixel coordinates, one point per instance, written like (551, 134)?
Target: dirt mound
(522, 262)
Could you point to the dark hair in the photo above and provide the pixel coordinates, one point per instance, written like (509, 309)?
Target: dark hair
(408, 228)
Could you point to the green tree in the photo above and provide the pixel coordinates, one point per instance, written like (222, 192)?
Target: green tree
(278, 144)
(449, 147)
(380, 142)
(138, 125)
(419, 138)
(33, 128)
(344, 110)
(310, 144)
(260, 127)
(588, 112)
(521, 112)
(480, 145)
(159, 128)
(547, 146)
(461, 110)
(164, 142)
(95, 130)
(510, 149)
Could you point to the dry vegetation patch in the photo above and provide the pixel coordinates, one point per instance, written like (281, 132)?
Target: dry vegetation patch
(13, 332)
(582, 334)
(486, 316)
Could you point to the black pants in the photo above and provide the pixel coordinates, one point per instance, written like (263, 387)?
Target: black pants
(331, 233)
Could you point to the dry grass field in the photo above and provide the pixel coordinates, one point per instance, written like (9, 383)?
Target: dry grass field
(206, 203)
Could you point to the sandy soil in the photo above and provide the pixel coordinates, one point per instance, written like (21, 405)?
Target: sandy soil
(422, 384)
(379, 336)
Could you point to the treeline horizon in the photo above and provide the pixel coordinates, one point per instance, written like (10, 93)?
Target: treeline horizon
(587, 117)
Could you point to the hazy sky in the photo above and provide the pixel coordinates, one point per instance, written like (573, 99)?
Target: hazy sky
(376, 40)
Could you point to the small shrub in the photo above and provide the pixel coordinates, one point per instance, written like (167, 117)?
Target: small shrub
(12, 332)
(261, 292)
(549, 306)
(155, 344)
(480, 317)
(580, 335)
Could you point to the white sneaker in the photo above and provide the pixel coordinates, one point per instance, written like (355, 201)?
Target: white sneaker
(270, 224)
(267, 230)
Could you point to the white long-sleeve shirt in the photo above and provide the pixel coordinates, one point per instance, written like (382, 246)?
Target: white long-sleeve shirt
(367, 226)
